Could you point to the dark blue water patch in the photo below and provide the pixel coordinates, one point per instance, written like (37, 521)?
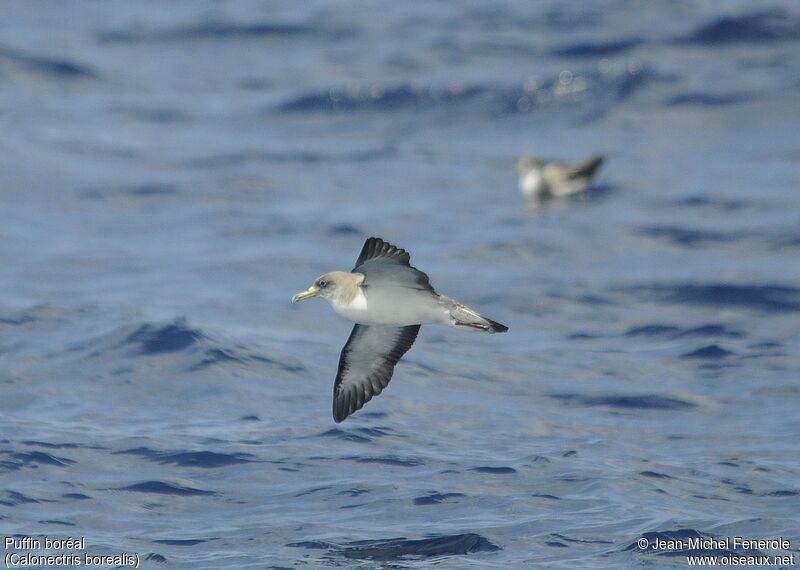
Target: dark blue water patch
(214, 356)
(494, 470)
(710, 202)
(655, 475)
(49, 445)
(670, 331)
(203, 459)
(710, 352)
(375, 98)
(312, 491)
(396, 549)
(546, 496)
(354, 492)
(375, 431)
(54, 67)
(57, 523)
(181, 542)
(556, 543)
(782, 493)
(162, 488)
(152, 189)
(785, 239)
(344, 230)
(583, 336)
(75, 496)
(766, 298)
(433, 498)
(155, 557)
(705, 99)
(594, 300)
(345, 435)
(687, 237)
(14, 498)
(170, 338)
(312, 545)
(681, 538)
(153, 115)
(22, 318)
(712, 330)
(598, 49)
(207, 31)
(250, 418)
(41, 458)
(288, 157)
(628, 402)
(389, 460)
(32, 459)
(267, 360)
(360, 435)
(144, 190)
(755, 27)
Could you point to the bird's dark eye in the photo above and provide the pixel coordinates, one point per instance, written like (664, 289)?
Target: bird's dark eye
(322, 283)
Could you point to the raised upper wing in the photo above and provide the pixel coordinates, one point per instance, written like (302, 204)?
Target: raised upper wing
(367, 363)
(383, 263)
(376, 248)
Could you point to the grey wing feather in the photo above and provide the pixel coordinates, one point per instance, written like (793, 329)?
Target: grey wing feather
(382, 262)
(367, 363)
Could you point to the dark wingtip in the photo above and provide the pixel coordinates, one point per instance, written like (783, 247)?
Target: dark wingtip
(341, 407)
(593, 164)
(376, 247)
(497, 327)
(340, 411)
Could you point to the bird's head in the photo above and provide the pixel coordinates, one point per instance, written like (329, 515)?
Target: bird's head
(323, 286)
(527, 163)
(330, 285)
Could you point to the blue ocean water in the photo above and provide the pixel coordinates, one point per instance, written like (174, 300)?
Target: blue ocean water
(172, 174)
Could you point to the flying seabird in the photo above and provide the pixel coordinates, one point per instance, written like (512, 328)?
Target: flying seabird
(542, 179)
(388, 300)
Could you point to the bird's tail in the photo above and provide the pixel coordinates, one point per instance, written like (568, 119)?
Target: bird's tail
(587, 168)
(463, 316)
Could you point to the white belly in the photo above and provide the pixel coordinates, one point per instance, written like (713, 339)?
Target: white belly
(531, 183)
(399, 309)
(355, 310)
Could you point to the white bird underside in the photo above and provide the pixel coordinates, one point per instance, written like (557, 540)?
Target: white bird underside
(389, 305)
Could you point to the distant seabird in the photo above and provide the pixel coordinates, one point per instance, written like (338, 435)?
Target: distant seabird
(541, 179)
(389, 300)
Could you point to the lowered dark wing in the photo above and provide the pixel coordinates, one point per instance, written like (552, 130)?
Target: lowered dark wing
(367, 363)
(382, 262)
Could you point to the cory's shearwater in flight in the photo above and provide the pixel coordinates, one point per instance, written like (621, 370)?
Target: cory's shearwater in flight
(389, 300)
(541, 179)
